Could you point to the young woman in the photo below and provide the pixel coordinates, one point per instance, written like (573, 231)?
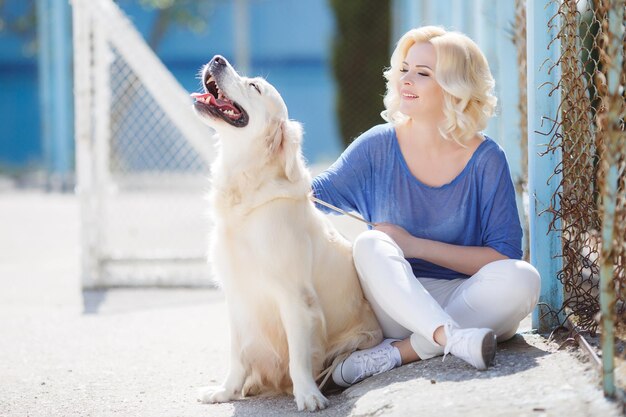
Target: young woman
(441, 267)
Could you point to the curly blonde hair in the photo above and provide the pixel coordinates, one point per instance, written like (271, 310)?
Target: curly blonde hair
(462, 72)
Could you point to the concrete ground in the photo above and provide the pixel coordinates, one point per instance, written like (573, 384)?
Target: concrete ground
(144, 352)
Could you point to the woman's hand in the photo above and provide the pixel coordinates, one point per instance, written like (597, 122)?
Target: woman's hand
(464, 259)
(404, 239)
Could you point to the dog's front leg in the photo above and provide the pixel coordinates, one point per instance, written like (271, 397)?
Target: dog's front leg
(231, 388)
(298, 322)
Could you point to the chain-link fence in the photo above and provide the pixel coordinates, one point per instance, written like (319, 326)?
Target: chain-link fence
(144, 142)
(589, 134)
(585, 136)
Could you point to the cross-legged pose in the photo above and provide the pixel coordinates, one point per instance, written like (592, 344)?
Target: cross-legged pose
(441, 268)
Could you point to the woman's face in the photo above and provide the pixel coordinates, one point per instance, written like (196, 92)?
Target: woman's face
(421, 96)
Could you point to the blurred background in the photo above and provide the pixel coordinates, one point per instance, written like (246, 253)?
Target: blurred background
(291, 43)
(94, 101)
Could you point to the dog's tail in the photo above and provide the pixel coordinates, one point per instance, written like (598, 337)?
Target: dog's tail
(345, 346)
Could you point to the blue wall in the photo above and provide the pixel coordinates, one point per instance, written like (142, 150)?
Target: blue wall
(19, 101)
(289, 43)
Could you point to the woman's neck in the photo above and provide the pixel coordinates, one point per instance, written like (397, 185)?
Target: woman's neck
(424, 134)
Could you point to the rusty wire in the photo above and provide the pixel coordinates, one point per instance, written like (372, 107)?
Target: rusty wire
(582, 136)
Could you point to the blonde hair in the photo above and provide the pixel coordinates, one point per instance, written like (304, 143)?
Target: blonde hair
(462, 72)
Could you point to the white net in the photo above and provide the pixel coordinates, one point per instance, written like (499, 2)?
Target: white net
(142, 157)
(143, 138)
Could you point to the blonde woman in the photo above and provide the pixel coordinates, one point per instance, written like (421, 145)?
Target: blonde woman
(441, 268)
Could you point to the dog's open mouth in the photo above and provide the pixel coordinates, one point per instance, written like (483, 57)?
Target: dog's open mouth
(215, 102)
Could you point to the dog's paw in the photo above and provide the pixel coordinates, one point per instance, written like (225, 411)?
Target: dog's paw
(211, 395)
(311, 400)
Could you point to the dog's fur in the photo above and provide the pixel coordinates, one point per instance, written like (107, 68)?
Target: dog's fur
(293, 296)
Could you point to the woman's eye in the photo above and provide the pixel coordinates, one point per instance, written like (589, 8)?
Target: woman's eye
(404, 70)
(423, 74)
(256, 87)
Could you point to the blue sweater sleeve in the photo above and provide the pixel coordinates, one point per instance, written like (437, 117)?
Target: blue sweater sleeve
(346, 183)
(500, 224)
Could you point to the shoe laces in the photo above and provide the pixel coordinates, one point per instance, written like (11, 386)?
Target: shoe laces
(375, 362)
(457, 339)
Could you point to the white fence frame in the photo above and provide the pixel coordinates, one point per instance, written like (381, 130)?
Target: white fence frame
(98, 25)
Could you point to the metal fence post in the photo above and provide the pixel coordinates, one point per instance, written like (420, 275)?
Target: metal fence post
(56, 91)
(241, 23)
(44, 61)
(85, 184)
(545, 246)
(607, 284)
(509, 133)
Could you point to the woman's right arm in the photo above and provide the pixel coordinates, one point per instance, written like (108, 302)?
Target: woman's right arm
(345, 182)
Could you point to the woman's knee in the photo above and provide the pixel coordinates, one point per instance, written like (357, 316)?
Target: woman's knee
(528, 276)
(367, 245)
(512, 286)
(518, 275)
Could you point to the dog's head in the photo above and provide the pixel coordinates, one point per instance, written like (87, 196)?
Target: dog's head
(249, 116)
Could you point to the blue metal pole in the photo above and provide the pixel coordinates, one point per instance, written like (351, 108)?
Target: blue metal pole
(456, 16)
(607, 285)
(241, 24)
(545, 247)
(407, 14)
(508, 96)
(442, 13)
(489, 32)
(61, 90)
(467, 11)
(45, 81)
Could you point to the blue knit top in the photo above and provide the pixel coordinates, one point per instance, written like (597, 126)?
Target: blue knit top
(477, 208)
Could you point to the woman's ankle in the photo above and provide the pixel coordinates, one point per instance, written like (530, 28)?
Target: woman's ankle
(439, 336)
(407, 353)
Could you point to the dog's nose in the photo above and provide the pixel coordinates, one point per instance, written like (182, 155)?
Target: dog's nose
(218, 60)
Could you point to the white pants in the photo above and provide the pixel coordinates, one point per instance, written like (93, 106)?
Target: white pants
(498, 296)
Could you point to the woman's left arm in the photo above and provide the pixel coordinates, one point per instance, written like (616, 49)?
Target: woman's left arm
(464, 259)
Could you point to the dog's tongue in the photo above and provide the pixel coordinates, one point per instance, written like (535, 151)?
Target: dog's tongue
(210, 99)
(204, 97)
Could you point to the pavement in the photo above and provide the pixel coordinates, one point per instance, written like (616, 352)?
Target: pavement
(144, 352)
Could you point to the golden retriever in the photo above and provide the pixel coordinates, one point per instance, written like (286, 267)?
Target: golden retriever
(294, 300)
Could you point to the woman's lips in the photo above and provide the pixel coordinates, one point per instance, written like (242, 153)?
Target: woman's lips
(408, 95)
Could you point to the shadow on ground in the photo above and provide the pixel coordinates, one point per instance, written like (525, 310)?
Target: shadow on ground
(126, 300)
(514, 356)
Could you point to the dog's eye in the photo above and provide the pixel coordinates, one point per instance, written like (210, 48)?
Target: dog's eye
(256, 87)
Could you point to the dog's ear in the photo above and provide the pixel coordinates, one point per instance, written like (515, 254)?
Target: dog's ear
(291, 152)
(285, 143)
(275, 138)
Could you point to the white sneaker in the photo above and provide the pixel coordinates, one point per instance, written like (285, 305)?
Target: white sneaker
(475, 346)
(367, 362)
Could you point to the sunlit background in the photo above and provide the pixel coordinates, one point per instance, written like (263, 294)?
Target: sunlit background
(95, 99)
(291, 43)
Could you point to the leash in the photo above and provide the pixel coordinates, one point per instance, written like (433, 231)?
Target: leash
(338, 210)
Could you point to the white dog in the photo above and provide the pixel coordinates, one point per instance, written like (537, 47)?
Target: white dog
(294, 299)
